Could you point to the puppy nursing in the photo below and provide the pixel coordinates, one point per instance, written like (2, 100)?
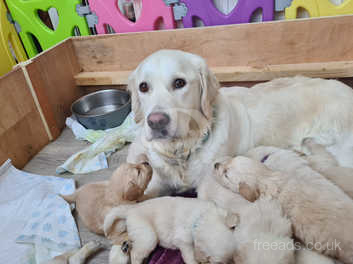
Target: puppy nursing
(198, 228)
(320, 212)
(95, 200)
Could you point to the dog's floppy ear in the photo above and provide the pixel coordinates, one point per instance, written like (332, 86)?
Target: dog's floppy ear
(132, 191)
(135, 101)
(209, 88)
(250, 194)
(232, 220)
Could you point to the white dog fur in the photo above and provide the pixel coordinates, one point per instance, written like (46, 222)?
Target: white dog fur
(198, 228)
(324, 162)
(306, 256)
(207, 122)
(320, 212)
(263, 235)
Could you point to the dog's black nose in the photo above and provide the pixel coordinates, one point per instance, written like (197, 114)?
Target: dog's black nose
(158, 121)
(216, 165)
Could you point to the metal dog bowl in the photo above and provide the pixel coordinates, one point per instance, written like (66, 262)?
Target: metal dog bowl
(103, 109)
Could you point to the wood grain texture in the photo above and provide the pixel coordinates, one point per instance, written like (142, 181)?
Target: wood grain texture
(238, 73)
(256, 45)
(52, 75)
(22, 133)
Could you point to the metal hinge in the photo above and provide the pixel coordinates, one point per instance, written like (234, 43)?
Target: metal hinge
(85, 11)
(16, 25)
(179, 9)
(280, 5)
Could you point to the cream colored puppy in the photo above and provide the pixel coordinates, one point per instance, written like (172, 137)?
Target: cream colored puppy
(263, 235)
(95, 200)
(188, 121)
(198, 228)
(324, 162)
(321, 213)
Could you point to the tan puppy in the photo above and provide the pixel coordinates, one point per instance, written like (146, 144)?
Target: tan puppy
(320, 212)
(325, 163)
(95, 200)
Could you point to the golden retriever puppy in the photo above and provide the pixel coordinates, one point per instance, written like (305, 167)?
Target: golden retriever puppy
(202, 231)
(263, 235)
(324, 162)
(77, 256)
(95, 200)
(320, 212)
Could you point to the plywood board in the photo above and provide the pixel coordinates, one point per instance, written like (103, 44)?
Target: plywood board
(22, 133)
(256, 45)
(52, 75)
(238, 73)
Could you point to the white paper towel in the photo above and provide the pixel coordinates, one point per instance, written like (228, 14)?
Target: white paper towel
(94, 157)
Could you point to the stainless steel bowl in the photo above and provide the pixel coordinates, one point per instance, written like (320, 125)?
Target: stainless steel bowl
(103, 109)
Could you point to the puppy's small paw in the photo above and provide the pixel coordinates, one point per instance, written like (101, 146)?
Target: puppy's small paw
(108, 224)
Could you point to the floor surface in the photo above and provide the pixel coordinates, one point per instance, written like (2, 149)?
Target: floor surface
(54, 154)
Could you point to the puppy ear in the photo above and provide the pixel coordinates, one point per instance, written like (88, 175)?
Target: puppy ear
(135, 101)
(209, 88)
(132, 191)
(142, 158)
(232, 220)
(250, 194)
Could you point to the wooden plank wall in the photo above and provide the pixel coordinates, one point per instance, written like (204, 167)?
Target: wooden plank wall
(256, 45)
(52, 77)
(22, 133)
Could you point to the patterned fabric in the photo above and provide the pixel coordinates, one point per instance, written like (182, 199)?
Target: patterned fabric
(36, 223)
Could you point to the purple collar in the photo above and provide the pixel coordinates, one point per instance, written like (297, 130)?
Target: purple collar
(265, 158)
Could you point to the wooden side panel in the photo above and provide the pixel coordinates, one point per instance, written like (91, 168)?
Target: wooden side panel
(281, 42)
(22, 133)
(224, 74)
(52, 77)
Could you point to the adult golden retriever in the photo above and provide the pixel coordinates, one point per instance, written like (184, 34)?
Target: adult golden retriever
(188, 122)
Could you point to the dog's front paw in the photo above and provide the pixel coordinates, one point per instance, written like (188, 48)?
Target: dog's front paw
(108, 223)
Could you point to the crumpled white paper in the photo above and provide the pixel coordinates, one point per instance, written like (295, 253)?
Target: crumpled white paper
(94, 157)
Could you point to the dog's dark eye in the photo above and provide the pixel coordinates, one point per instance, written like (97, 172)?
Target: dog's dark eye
(144, 87)
(179, 83)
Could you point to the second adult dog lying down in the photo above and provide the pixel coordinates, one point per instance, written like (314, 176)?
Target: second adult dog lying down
(198, 228)
(320, 212)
